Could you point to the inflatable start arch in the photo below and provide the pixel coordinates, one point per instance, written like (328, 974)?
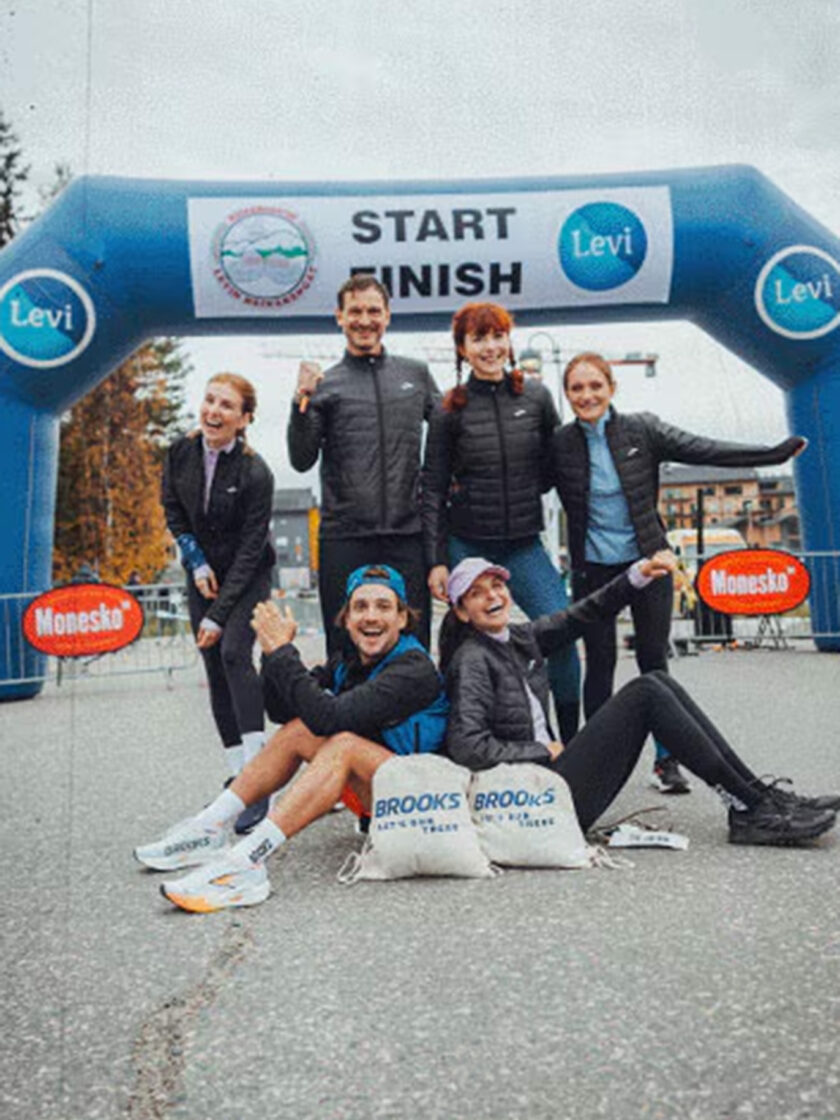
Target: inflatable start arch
(116, 261)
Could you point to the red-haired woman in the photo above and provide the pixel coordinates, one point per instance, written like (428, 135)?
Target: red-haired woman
(486, 457)
(606, 467)
(217, 495)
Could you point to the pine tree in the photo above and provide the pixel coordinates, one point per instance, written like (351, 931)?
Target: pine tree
(13, 174)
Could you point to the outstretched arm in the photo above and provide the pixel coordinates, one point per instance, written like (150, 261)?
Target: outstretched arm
(675, 445)
(556, 630)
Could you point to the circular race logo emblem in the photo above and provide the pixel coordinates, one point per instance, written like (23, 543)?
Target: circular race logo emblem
(602, 245)
(46, 318)
(797, 293)
(264, 256)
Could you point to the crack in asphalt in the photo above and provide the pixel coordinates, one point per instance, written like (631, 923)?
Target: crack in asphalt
(160, 1047)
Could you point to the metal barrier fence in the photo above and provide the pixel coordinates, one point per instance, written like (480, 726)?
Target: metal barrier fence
(775, 631)
(166, 644)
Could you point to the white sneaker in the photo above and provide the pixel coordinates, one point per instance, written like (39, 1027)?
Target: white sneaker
(187, 844)
(218, 887)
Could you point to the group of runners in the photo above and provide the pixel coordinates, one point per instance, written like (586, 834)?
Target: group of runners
(460, 522)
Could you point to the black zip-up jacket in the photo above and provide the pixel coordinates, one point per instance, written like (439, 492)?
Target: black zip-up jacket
(406, 685)
(234, 532)
(366, 421)
(484, 468)
(490, 717)
(638, 443)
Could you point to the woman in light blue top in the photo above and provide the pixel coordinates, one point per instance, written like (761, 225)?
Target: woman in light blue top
(606, 469)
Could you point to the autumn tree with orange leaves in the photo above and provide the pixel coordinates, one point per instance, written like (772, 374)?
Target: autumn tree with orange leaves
(108, 513)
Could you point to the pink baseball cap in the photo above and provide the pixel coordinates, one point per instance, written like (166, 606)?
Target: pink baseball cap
(464, 575)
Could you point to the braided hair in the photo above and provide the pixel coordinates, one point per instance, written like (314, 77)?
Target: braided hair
(479, 319)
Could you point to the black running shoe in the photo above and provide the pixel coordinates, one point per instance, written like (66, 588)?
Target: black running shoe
(250, 816)
(778, 820)
(822, 801)
(667, 776)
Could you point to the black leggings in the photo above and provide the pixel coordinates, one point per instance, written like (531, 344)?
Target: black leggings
(236, 696)
(601, 757)
(651, 608)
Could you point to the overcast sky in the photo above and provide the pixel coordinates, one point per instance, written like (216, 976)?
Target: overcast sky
(269, 89)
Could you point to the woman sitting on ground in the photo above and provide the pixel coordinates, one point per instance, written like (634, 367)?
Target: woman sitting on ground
(498, 692)
(346, 719)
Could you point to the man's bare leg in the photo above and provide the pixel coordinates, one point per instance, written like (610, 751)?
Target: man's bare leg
(343, 757)
(278, 761)
(239, 877)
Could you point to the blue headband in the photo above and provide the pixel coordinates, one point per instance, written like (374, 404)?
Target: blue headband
(370, 574)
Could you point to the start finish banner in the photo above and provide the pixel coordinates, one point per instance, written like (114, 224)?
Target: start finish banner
(553, 248)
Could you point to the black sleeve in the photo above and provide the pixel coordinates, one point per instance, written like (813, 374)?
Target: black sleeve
(432, 396)
(553, 631)
(677, 446)
(469, 734)
(277, 703)
(305, 432)
(550, 423)
(177, 519)
(405, 686)
(257, 497)
(435, 480)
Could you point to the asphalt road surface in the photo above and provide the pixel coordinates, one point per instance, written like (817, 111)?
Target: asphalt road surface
(699, 985)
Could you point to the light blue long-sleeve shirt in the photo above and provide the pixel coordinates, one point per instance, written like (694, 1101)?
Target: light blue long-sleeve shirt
(610, 538)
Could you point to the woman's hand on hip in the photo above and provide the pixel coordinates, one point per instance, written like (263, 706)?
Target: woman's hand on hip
(437, 580)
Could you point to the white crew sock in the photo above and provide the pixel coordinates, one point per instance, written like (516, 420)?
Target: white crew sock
(220, 812)
(252, 744)
(235, 758)
(257, 847)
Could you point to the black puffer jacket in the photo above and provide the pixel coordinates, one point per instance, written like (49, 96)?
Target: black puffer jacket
(234, 530)
(366, 421)
(638, 443)
(490, 716)
(484, 465)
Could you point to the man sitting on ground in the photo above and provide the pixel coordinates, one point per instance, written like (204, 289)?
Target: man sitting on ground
(346, 719)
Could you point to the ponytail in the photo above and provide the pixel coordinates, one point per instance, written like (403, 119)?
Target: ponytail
(452, 634)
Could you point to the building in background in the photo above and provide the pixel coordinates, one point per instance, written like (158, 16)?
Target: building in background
(294, 533)
(761, 507)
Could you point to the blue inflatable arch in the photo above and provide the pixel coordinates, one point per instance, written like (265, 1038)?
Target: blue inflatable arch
(116, 261)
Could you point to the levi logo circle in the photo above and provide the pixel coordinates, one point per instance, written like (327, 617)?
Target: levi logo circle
(46, 318)
(82, 619)
(753, 581)
(797, 293)
(602, 245)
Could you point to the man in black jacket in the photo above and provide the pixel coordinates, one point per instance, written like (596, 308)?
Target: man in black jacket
(364, 417)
